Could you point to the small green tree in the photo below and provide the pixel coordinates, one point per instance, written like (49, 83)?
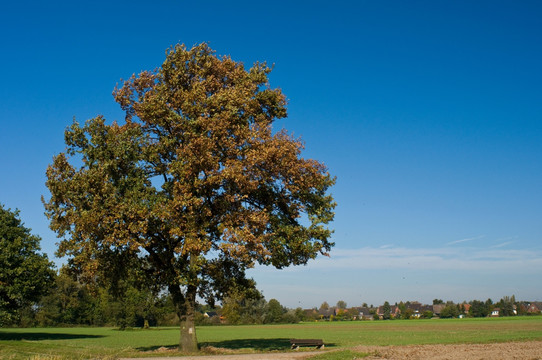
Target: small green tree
(402, 307)
(506, 304)
(300, 314)
(289, 317)
(68, 303)
(274, 312)
(25, 273)
(386, 310)
(231, 310)
(451, 310)
(478, 309)
(489, 305)
(407, 314)
(243, 306)
(341, 315)
(341, 304)
(427, 314)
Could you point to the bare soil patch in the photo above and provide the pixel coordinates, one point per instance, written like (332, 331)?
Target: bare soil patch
(531, 350)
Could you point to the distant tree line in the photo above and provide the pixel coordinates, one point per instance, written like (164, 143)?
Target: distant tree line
(70, 302)
(32, 293)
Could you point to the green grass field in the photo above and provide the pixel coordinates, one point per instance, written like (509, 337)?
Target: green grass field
(82, 343)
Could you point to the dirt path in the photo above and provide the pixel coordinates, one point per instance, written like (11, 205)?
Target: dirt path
(531, 350)
(269, 356)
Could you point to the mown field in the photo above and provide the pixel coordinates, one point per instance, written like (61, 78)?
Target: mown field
(109, 343)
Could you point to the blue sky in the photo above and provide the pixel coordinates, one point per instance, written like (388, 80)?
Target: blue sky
(428, 112)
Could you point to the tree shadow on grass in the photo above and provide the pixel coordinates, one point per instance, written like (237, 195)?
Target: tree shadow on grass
(154, 348)
(281, 344)
(35, 336)
(263, 345)
(256, 344)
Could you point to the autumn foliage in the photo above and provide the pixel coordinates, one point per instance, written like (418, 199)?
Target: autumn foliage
(193, 187)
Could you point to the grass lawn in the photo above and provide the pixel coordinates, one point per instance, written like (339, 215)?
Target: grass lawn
(82, 343)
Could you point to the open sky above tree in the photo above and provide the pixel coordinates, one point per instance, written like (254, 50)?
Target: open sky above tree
(428, 113)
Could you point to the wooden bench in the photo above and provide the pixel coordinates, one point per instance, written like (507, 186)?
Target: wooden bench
(296, 343)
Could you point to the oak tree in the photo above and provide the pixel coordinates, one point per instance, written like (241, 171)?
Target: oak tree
(193, 187)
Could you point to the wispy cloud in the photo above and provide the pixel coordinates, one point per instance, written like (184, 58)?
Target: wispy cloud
(465, 240)
(502, 244)
(493, 260)
(382, 273)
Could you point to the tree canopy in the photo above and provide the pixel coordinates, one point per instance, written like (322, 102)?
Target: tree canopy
(25, 273)
(341, 304)
(193, 187)
(386, 308)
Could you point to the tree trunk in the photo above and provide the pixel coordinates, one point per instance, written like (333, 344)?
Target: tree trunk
(185, 305)
(188, 341)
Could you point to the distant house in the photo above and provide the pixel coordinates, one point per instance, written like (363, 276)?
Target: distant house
(311, 314)
(214, 317)
(361, 313)
(437, 309)
(495, 312)
(394, 311)
(538, 305)
(339, 311)
(426, 309)
(210, 314)
(325, 314)
(417, 308)
(533, 309)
